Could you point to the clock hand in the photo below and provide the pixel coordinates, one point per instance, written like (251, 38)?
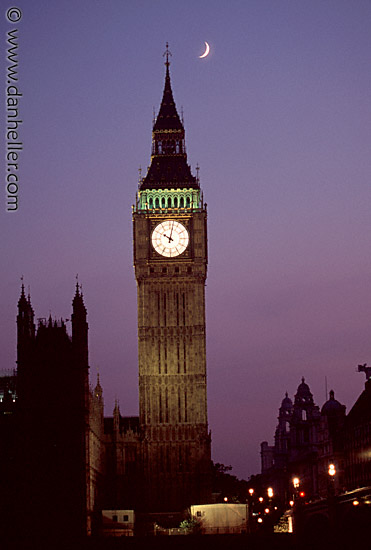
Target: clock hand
(171, 232)
(170, 239)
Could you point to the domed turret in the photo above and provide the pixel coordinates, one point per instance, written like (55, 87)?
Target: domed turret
(303, 394)
(332, 407)
(286, 404)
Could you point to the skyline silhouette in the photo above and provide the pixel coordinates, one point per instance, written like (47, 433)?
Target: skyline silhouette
(278, 119)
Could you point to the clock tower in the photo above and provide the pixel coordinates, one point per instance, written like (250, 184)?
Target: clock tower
(170, 261)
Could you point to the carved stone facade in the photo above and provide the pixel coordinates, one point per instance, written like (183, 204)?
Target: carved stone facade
(307, 440)
(171, 323)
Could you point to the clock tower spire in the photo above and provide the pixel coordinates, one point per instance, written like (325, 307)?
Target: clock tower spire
(169, 159)
(170, 261)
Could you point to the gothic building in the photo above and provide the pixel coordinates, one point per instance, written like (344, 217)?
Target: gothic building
(59, 424)
(160, 461)
(170, 260)
(307, 440)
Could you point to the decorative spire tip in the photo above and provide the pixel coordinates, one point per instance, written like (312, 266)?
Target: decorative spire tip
(166, 54)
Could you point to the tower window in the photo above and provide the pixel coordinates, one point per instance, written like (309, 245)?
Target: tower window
(157, 203)
(176, 202)
(150, 202)
(177, 270)
(151, 269)
(163, 202)
(164, 270)
(181, 204)
(188, 202)
(189, 269)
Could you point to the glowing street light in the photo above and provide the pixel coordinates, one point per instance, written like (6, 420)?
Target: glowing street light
(296, 482)
(331, 470)
(261, 499)
(270, 492)
(251, 491)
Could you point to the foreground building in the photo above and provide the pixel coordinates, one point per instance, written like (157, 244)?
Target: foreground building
(59, 425)
(357, 441)
(307, 440)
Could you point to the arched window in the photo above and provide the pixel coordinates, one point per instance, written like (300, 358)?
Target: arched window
(188, 202)
(177, 148)
(181, 202)
(157, 203)
(176, 202)
(163, 202)
(150, 202)
(160, 147)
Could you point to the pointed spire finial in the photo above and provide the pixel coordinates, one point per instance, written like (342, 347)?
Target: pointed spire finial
(166, 54)
(22, 286)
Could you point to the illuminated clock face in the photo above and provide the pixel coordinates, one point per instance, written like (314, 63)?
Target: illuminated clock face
(170, 238)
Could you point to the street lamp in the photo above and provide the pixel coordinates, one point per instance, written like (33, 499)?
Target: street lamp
(251, 492)
(296, 482)
(331, 470)
(270, 492)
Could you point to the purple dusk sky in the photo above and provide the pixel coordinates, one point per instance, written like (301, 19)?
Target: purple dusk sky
(278, 118)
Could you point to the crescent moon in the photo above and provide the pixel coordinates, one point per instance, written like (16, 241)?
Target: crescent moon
(206, 52)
